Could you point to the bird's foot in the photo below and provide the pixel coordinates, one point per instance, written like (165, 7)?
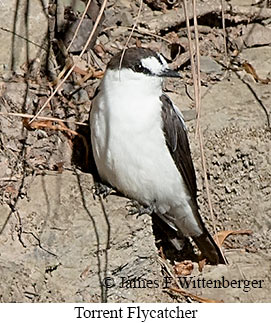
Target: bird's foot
(101, 190)
(134, 207)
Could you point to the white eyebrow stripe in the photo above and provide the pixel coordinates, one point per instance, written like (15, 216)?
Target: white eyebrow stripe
(152, 64)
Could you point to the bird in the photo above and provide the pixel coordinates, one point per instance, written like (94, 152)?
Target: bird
(140, 144)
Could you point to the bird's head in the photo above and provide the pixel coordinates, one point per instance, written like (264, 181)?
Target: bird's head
(139, 63)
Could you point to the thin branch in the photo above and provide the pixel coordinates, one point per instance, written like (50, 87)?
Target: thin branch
(25, 115)
(224, 31)
(140, 31)
(191, 51)
(72, 68)
(79, 25)
(197, 57)
(24, 38)
(132, 31)
(197, 92)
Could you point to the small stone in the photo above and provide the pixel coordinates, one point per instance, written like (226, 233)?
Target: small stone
(256, 35)
(208, 65)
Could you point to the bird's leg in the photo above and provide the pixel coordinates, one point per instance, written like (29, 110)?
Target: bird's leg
(134, 207)
(101, 190)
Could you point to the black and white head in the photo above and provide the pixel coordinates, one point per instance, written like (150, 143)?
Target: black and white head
(139, 64)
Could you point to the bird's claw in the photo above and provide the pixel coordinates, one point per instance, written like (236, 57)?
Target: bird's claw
(101, 190)
(136, 208)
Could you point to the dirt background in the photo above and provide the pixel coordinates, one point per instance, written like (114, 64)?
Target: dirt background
(58, 243)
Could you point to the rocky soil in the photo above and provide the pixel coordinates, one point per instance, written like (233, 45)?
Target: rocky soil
(58, 243)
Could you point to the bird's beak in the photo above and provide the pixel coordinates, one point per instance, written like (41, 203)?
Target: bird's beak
(169, 73)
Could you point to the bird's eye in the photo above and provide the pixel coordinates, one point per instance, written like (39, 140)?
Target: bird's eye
(139, 68)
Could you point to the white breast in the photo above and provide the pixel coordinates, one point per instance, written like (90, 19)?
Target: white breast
(129, 144)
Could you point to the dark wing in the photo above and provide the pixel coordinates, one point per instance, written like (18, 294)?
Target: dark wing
(178, 145)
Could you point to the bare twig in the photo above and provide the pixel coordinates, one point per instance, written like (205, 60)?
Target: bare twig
(224, 32)
(39, 243)
(132, 31)
(72, 68)
(25, 115)
(79, 25)
(197, 93)
(197, 79)
(190, 48)
(140, 30)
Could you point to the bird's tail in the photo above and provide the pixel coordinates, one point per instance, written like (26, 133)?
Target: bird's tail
(209, 248)
(204, 241)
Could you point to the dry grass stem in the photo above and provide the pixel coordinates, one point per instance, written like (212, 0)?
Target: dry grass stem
(197, 94)
(224, 33)
(131, 33)
(140, 30)
(72, 68)
(25, 115)
(79, 25)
